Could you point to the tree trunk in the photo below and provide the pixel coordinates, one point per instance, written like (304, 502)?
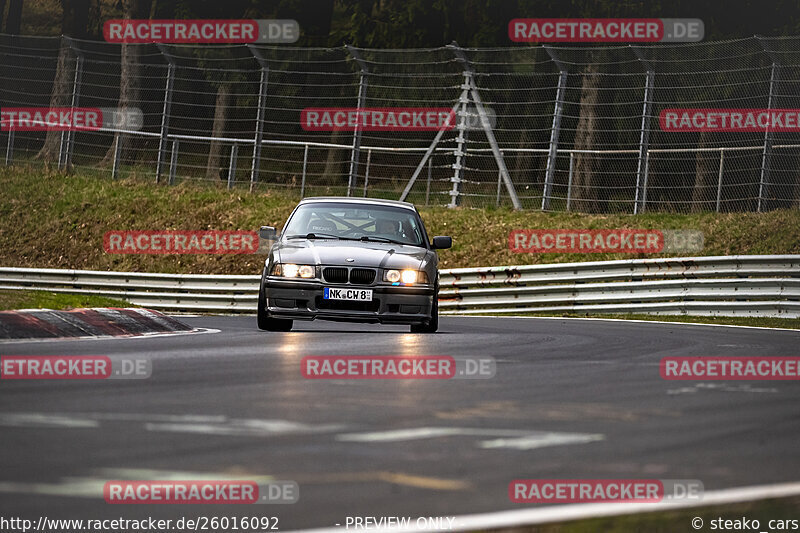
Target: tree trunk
(705, 177)
(584, 183)
(14, 20)
(60, 96)
(74, 23)
(2, 12)
(221, 109)
(129, 81)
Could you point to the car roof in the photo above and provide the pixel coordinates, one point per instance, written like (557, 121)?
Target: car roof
(362, 201)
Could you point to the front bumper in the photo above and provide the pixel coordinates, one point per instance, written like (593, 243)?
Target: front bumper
(302, 300)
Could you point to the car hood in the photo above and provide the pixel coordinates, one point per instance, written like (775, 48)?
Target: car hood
(333, 252)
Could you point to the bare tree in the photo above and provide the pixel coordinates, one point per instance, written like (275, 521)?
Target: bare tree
(221, 109)
(586, 165)
(129, 78)
(74, 23)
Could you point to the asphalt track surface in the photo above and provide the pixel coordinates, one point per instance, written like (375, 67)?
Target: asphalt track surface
(570, 399)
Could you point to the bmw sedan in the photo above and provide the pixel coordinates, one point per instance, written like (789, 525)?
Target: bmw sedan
(348, 259)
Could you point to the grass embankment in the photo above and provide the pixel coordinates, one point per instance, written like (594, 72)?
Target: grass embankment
(14, 299)
(51, 220)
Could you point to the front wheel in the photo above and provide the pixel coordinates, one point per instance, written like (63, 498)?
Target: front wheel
(266, 322)
(431, 325)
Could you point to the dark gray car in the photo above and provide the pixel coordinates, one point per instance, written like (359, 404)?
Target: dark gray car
(356, 260)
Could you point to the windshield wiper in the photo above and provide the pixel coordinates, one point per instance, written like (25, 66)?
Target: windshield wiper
(382, 239)
(313, 236)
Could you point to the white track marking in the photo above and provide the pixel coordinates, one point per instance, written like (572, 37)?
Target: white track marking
(518, 439)
(582, 511)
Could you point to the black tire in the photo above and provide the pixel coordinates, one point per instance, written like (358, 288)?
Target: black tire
(431, 325)
(266, 322)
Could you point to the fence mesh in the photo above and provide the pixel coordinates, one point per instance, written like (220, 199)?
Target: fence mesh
(576, 127)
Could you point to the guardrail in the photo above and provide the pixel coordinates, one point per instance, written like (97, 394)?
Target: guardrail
(746, 285)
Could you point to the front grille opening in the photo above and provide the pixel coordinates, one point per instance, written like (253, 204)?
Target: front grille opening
(362, 276)
(335, 274)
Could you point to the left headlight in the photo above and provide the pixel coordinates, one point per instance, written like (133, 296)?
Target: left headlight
(406, 277)
(290, 270)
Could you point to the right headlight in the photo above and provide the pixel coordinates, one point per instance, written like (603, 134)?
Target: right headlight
(290, 270)
(405, 277)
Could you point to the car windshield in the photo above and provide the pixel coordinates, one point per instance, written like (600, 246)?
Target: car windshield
(380, 223)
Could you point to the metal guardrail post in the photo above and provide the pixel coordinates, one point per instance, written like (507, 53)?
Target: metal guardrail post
(262, 101)
(303, 179)
(173, 162)
(366, 172)
(355, 151)
(555, 131)
(719, 178)
(232, 165)
(162, 142)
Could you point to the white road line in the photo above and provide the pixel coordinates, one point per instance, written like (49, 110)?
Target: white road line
(623, 320)
(581, 511)
(518, 439)
(159, 335)
(205, 424)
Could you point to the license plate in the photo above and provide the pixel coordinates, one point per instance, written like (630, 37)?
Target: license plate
(358, 295)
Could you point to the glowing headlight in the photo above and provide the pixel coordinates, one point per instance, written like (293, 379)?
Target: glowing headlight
(289, 270)
(393, 276)
(306, 271)
(408, 276)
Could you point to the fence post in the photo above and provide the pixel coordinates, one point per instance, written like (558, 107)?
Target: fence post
(232, 165)
(162, 143)
(366, 172)
(569, 180)
(355, 151)
(10, 147)
(262, 99)
(766, 156)
(303, 179)
(76, 90)
(555, 131)
(461, 150)
(428, 185)
(115, 164)
(642, 165)
(719, 178)
(173, 162)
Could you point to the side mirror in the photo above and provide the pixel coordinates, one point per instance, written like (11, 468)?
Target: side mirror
(442, 243)
(267, 233)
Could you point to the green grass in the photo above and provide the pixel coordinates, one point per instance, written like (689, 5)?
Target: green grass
(24, 299)
(51, 220)
(760, 322)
